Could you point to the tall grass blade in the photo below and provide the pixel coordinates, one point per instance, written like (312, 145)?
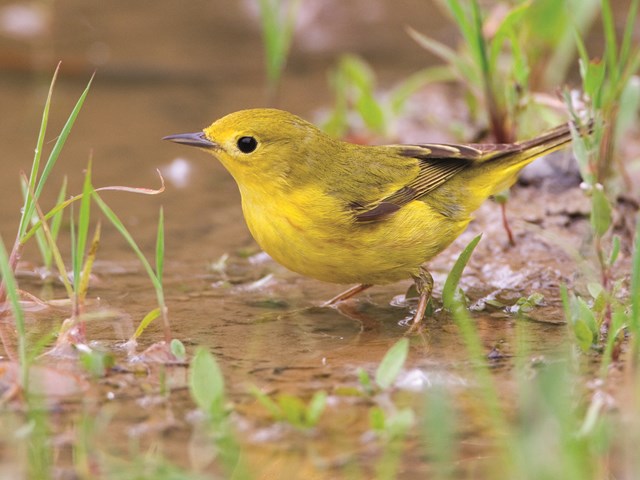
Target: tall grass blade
(627, 37)
(55, 152)
(18, 315)
(52, 246)
(27, 210)
(611, 44)
(83, 229)
(635, 294)
(146, 321)
(160, 246)
(116, 222)
(485, 382)
(85, 276)
(453, 279)
(61, 206)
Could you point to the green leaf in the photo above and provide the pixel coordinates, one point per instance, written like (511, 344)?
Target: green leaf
(593, 75)
(266, 401)
(580, 149)
(619, 321)
(586, 315)
(371, 112)
(377, 419)
(399, 423)
(583, 335)
(315, 408)
(595, 289)
(97, 363)
(451, 284)
(600, 212)
(615, 250)
(177, 349)
(293, 409)
(392, 363)
(365, 381)
(206, 383)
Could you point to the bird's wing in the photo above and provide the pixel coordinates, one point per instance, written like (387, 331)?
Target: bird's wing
(438, 163)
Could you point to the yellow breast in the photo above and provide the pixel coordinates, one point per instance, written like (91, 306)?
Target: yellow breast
(311, 233)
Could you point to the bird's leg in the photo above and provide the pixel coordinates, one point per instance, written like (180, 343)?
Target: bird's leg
(348, 293)
(424, 286)
(505, 223)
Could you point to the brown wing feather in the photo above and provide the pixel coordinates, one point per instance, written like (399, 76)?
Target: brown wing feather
(437, 162)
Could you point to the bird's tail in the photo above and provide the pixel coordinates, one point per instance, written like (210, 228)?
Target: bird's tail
(498, 166)
(501, 167)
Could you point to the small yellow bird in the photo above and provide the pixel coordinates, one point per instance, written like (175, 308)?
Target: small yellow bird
(347, 213)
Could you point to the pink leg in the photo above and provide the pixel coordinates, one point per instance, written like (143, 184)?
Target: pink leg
(350, 292)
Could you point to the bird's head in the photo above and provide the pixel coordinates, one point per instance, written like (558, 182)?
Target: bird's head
(259, 146)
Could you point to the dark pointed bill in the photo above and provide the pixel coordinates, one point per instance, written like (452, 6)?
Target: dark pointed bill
(192, 139)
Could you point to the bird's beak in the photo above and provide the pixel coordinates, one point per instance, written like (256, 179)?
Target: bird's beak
(193, 140)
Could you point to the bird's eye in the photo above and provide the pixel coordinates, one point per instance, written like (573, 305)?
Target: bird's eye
(247, 144)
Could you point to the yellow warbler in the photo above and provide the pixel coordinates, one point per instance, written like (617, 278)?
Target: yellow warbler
(346, 213)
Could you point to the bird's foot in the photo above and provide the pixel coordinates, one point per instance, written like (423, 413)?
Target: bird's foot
(424, 286)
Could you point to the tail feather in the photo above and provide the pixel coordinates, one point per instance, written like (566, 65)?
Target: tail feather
(497, 172)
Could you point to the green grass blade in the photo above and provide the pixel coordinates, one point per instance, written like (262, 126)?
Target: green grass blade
(453, 279)
(52, 247)
(627, 36)
(464, 25)
(18, 315)
(505, 30)
(486, 384)
(611, 44)
(438, 49)
(62, 138)
(85, 276)
(277, 29)
(635, 292)
(116, 222)
(272, 407)
(146, 321)
(415, 82)
(315, 408)
(58, 208)
(56, 221)
(74, 245)
(160, 246)
(41, 240)
(83, 228)
(27, 210)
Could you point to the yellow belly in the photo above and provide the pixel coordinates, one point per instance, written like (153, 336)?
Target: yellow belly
(319, 239)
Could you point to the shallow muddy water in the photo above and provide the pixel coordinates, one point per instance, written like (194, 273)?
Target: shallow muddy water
(171, 67)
